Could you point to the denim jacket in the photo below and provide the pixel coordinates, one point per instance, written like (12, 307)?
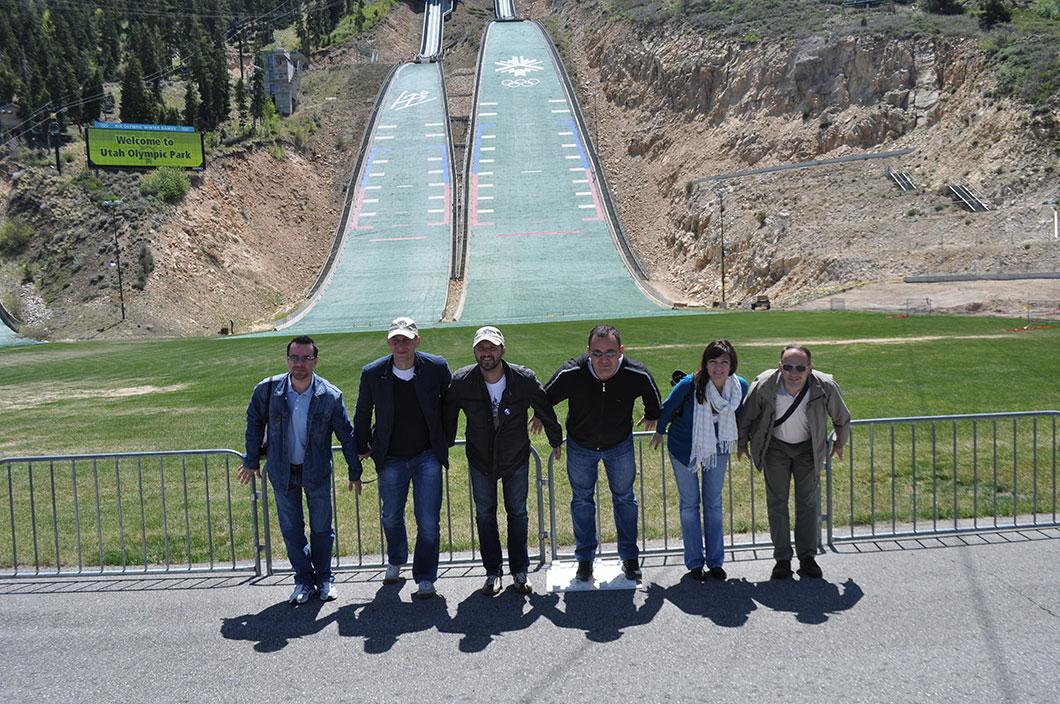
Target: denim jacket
(679, 437)
(327, 415)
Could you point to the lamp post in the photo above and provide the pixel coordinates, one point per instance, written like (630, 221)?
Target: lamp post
(721, 206)
(117, 259)
(1053, 202)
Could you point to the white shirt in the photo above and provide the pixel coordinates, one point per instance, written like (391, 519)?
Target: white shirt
(405, 374)
(496, 390)
(796, 428)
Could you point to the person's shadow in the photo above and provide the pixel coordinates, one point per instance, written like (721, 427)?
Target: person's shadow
(604, 614)
(727, 603)
(480, 619)
(811, 600)
(382, 621)
(273, 628)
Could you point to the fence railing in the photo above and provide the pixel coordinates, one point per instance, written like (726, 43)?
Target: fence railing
(359, 540)
(126, 512)
(183, 511)
(943, 474)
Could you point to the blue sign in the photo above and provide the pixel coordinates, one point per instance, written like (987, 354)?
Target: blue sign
(132, 126)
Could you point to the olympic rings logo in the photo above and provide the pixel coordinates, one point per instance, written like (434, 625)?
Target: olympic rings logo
(519, 82)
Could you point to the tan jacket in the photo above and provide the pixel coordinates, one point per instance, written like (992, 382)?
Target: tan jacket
(756, 416)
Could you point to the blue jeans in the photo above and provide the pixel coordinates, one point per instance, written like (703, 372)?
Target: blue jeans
(311, 560)
(424, 472)
(621, 469)
(515, 486)
(693, 525)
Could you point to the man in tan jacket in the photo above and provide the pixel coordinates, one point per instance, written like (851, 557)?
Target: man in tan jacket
(785, 419)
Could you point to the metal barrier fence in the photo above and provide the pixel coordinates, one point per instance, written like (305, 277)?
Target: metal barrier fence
(659, 512)
(359, 541)
(126, 512)
(934, 475)
(175, 512)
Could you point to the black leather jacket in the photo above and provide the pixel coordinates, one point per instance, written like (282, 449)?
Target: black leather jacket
(497, 451)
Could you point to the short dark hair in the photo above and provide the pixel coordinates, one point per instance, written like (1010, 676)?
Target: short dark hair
(800, 348)
(303, 340)
(604, 331)
(715, 349)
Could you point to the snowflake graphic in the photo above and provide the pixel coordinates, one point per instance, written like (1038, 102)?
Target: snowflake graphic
(408, 100)
(519, 66)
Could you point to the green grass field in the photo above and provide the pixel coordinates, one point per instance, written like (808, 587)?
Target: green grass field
(190, 394)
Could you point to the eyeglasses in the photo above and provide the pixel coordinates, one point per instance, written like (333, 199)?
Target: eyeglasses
(793, 367)
(301, 357)
(610, 354)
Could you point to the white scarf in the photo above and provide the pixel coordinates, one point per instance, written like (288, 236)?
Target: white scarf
(705, 446)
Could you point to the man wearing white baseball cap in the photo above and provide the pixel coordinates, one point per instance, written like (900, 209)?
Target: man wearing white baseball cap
(495, 397)
(408, 444)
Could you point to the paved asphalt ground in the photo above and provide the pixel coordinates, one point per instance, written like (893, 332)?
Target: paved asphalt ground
(952, 620)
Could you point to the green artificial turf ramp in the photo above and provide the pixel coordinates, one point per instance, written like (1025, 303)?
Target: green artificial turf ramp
(395, 256)
(540, 241)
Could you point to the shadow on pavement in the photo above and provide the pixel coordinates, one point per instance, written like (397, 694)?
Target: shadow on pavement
(273, 628)
(382, 621)
(811, 600)
(81, 585)
(603, 615)
(481, 619)
(727, 603)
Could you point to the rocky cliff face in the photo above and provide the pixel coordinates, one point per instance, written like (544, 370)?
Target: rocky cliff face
(682, 107)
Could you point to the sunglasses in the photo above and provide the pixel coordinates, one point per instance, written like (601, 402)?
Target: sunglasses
(793, 367)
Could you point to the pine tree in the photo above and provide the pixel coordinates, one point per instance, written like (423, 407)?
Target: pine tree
(241, 103)
(257, 94)
(92, 98)
(135, 99)
(191, 105)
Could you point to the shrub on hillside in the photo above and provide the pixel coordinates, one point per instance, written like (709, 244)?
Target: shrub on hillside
(168, 183)
(15, 234)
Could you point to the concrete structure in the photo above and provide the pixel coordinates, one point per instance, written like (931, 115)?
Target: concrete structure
(283, 78)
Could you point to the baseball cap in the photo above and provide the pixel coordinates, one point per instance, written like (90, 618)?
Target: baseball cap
(406, 327)
(489, 333)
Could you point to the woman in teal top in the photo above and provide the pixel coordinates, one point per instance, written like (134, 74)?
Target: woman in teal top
(699, 416)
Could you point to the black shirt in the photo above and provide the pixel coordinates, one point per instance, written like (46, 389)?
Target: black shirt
(410, 436)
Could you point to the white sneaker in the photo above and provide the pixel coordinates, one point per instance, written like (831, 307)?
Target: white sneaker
(300, 595)
(393, 574)
(426, 590)
(493, 585)
(328, 592)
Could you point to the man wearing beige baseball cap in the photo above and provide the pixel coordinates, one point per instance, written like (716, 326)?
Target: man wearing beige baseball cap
(408, 445)
(495, 397)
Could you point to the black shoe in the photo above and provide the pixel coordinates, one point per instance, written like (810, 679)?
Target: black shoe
(717, 573)
(782, 570)
(631, 568)
(585, 571)
(697, 574)
(808, 567)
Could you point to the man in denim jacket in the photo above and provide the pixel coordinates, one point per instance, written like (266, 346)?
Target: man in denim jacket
(300, 411)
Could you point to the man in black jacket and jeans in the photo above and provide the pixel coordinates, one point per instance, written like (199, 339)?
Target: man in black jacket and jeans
(495, 397)
(601, 387)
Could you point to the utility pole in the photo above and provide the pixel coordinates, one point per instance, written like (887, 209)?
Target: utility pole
(117, 258)
(53, 130)
(721, 204)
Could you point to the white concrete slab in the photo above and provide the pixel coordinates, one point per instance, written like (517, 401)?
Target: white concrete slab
(607, 575)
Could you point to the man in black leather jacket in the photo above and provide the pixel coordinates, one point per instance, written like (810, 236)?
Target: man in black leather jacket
(495, 397)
